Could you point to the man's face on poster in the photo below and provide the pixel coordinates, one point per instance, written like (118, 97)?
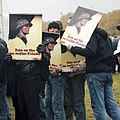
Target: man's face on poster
(83, 22)
(25, 29)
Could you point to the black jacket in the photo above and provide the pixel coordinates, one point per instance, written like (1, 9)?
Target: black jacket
(44, 66)
(3, 66)
(25, 68)
(98, 52)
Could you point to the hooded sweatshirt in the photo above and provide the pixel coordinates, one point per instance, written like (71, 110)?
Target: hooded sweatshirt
(98, 52)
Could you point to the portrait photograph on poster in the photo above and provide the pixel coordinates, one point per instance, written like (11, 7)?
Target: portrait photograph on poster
(25, 34)
(81, 27)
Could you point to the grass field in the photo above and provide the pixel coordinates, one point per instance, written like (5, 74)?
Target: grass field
(116, 88)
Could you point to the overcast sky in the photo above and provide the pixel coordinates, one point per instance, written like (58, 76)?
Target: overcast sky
(54, 9)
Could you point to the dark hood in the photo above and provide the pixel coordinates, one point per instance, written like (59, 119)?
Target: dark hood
(102, 33)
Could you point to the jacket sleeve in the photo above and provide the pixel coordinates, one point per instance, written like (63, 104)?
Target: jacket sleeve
(90, 49)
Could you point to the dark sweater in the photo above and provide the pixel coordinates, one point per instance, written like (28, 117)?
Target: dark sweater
(3, 66)
(98, 52)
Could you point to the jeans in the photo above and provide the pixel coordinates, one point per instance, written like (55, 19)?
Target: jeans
(102, 99)
(3, 102)
(54, 98)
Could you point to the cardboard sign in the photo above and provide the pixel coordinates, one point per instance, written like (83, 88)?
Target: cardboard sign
(78, 33)
(81, 27)
(24, 48)
(55, 61)
(62, 59)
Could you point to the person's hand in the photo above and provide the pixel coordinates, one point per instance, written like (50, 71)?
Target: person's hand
(54, 71)
(74, 68)
(41, 48)
(69, 47)
(63, 48)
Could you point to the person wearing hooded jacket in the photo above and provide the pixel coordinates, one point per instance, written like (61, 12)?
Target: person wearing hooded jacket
(99, 61)
(3, 81)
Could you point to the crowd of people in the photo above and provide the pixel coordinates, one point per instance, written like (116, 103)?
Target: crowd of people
(64, 94)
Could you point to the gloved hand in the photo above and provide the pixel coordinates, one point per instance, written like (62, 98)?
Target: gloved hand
(63, 48)
(41, 48)
(8, 58)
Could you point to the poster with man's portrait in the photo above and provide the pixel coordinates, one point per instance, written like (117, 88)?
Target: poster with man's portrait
(80, 27)
(25, 34)
(77, 33)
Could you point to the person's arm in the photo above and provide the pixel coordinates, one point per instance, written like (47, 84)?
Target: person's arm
(90, 49)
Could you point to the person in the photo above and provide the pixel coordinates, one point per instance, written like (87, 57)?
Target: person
(117, 49)
(4, 111)
(114, 47)
(28, 77)
(12, 87)
(81, 21)
(21, 29)
(54, 88)
(99, 61)
(74, 102)
(75, 93)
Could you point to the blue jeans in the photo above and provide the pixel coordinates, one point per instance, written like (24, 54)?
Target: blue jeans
(54, 98)
(102, 99)
(3, 102)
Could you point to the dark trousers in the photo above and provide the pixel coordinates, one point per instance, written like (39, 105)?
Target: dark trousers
(16, 107)
(74, 97)
(28, 98)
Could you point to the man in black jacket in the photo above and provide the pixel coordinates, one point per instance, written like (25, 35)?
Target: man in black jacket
(99, 60)
(28, 76)
(3, 86)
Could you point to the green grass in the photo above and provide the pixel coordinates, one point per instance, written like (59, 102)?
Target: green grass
(116, 89)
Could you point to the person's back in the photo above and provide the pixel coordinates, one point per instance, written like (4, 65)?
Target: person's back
(101, 58)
